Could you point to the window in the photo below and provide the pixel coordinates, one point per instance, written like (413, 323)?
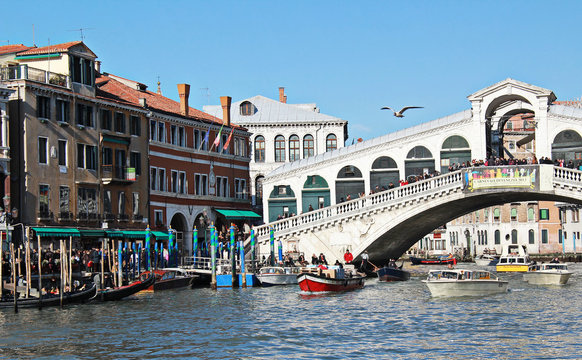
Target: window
(120, 161)
(497, 237)
(485, 237)
(64, 198)
(42, 150)
(135, 204)
(43, 107)
(486, 215)
(575, 215)
(223, 143)
(259, 188)
(181, 136)
(222, 186)
(153, 128)
(514, 236)
(279, 149)
(62, 152)
(247, 108)
(107, 156)
(173, 135)
(153, 178)
(119, 122)
(135, 162)
(496, 214)
(560, 240)
(196, 139)
(105, 116)
(174, 178)
(121, 204)
(162, 179)
(544, 236)
(62, 111)
(530, 214)
(544, 214)
(86, 157)
(158, 217)
(259, 149)
(161, 132)
(107, 207)
(84, 115)
(294, 148)
(240, 186)
(201, 181)
(86, 202)
(182, 182)
(43, 200)
(134, 125)
(330, 142)
(513, 214)
(81, 70)
(531, 236)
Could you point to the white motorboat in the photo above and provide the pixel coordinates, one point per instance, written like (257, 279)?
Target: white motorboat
(461, 282)
(514, 258)
(547, 274)
(487, 260)
(277, 275)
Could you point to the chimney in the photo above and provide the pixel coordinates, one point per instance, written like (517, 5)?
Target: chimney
(143, 102)
(225, 102)
(184, 92)
(98, 66)
(282, 96)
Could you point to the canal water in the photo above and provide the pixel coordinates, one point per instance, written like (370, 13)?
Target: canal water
(383, 320)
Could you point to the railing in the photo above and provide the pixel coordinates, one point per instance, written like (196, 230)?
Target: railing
(567, 175)
(45, 215)
(223, 266)
(87, 216)
(65, 215)
(115, 172)
(108, 216)
(123, 217)
(25, 72)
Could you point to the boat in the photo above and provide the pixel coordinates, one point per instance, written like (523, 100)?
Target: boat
(461, 282)
(330, 279)
(392, 273)
(547, 274)
(277, 275)
(514, 258)
(486, 260)
(168, 278)
(79, 296)
(121, 292)
(441, 260)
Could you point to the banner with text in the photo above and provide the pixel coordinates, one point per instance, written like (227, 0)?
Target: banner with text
(501, 177)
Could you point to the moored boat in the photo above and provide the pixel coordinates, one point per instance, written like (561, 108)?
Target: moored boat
(121, 292)
(392, 273)
(168, 278)
(547, 274)
(486, 260)
(79, 296)
(276, 275)
(332, 279)
(514, 258)
(460, 282)
(443, 260)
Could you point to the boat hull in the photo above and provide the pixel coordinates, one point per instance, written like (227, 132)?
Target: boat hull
(419, 261)
(68, 298)
(392, 274)
(486, 262)
(125, 291)
(547, 278)
(314, 283)
(277, 279)
(512, 268)
(465, 288)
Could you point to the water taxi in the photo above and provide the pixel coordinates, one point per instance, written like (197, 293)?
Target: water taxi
(277, 275)
(514, 258)
(547, 274)
(460, 282)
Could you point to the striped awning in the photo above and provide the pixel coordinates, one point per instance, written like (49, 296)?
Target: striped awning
(56, 232)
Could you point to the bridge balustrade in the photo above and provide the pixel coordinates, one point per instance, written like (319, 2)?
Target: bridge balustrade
(567, 175)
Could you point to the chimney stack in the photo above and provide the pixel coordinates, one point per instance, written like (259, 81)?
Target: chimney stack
(282, 96)
(98, 66)
(184, 92)
(225, 102)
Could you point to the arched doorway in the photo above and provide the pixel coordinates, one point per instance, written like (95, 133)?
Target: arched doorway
(419, 161)
(315, 193)
(179, 225)
(384, 171)
(567, 145)
(455, 150)
(349, 184)
(282, 202)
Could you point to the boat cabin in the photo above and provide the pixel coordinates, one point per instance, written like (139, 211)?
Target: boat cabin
(438, 275)
(550, 266)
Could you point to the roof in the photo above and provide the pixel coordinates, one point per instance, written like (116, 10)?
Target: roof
(272, 111)
(58, 48)
(9, 49)
(116, 88)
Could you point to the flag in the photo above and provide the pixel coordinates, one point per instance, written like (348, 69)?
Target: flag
(217, 139)
(228, 141)
(205, 140)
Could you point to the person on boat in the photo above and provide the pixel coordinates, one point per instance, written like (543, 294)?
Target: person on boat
(314, 260)
(338, 263)
(555, 261)
(322, 259)
(348, 257)
(301, 260)
(365, 258)
(392, 264)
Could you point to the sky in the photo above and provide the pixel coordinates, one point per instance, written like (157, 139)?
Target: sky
(349, 57)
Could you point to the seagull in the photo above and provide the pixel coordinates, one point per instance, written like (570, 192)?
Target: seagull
(400, 113)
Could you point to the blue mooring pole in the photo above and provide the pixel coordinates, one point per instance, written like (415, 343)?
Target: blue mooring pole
(232, 256)
(120, 263)
(133, 259)
(194, 246)
(212, 258)
(242, 264)
(253, 259)
(272, 242)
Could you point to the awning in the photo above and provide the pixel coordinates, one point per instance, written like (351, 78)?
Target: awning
(128, 234)
(160, 235)
(114, 233)
(56, 232)
(40, 56)
(238, 214)
(92, 232)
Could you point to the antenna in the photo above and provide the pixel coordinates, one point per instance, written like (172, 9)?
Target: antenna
(81, 31)
(207, 90)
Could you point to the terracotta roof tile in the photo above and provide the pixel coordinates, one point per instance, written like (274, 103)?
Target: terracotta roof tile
(7, 49)
(50, 49)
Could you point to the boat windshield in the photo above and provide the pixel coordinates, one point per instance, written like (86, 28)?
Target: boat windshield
(482, 275)
(555, 267)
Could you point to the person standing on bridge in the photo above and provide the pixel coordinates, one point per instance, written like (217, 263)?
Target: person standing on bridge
(348, 257)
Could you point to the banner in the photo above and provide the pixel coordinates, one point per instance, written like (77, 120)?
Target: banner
(501, 177)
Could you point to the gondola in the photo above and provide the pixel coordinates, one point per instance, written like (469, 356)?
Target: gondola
(52, 300)
(121, 292)
(439, 261)
(392, 273)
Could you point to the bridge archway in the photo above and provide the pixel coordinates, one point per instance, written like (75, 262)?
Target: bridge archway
(282, 202)
(419, 160)
(180, 226)
(315, 193)
(567, 145)
(455, 150)
(384, 171)
(349, 183)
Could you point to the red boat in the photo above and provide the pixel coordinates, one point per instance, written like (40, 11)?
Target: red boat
(332, 279)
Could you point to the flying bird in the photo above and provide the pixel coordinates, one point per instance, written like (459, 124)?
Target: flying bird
(401, 112)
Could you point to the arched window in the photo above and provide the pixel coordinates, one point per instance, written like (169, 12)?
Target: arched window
(308, 146)
(485, 237)
(259, 149)
(294, 148)
(259, 189)
(531, 236)
(496, 214)
(530, 214)
(514, 236)
(247, 108)
(330, 142)
(497, 237)
(279, 148)
(419, 152)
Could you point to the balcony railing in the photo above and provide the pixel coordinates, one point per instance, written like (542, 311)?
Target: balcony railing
(45, 215)
(24, 72)
(123, 217)
(117, 173)
(108, 217)
(65, 215)
(88, 216)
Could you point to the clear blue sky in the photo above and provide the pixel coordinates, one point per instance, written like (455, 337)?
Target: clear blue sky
(349, 57)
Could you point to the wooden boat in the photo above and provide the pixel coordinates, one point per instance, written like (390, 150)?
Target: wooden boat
(52, 299)
(514, 258)
(443, 260)
(277, 275)
(460, 282)
(332, 279)
(547, 274)
(392, 273)
(168, 278)
(486, 260)
(121, 292)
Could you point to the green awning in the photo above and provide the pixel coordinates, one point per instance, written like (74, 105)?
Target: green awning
(114, 233)
(40, 56)
(92, 232)
(238, 214)
(116, 140)
(160, 235)
(134, 234)
(56, 232)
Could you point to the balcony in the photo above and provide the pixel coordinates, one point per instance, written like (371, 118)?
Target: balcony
(88, 216)
(117, 174)
(123, 217)
(45, 215)
(65, 216)
(109, 217)
(24, 72)
(137, 218)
